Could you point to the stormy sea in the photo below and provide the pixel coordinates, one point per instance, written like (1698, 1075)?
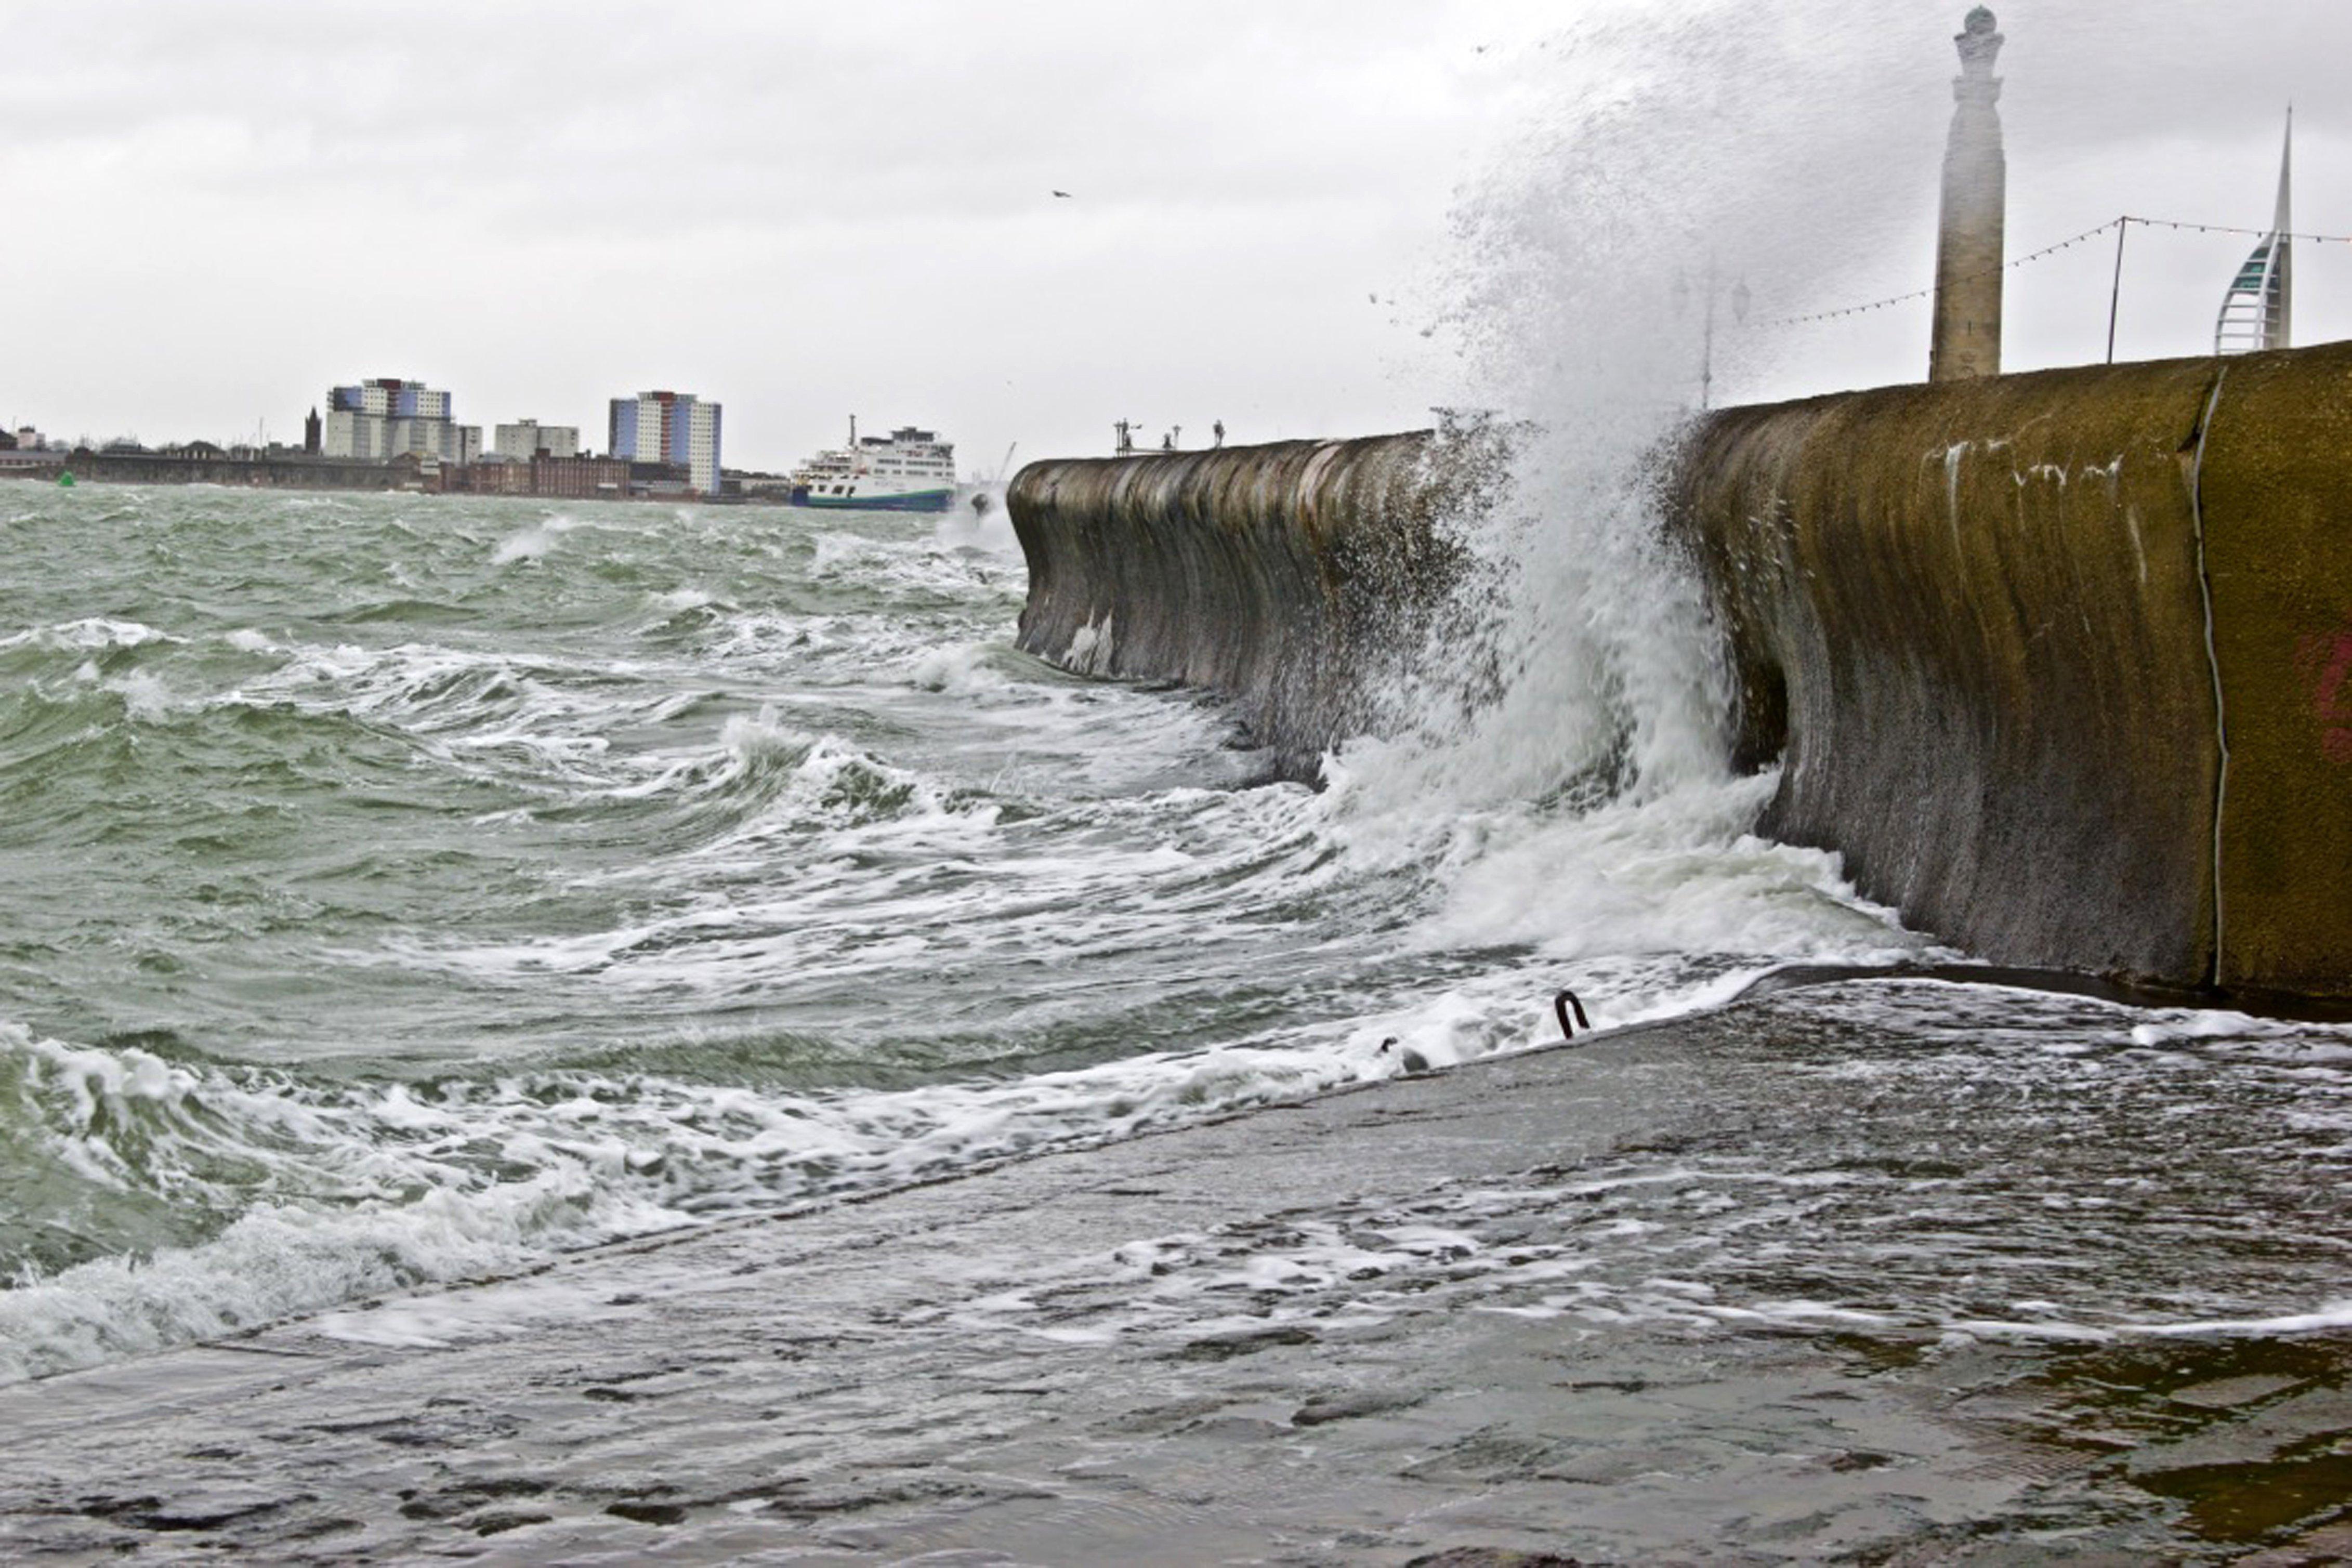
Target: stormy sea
(442, 927)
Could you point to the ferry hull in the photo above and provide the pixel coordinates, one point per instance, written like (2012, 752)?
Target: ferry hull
(904, 501)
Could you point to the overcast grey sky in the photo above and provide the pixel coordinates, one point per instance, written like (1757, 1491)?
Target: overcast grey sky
(1278, 207)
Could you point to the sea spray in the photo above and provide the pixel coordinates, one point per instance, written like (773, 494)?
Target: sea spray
(1598, 292)
(1557, 750)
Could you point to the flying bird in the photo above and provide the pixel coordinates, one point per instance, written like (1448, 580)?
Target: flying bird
(1064, 196)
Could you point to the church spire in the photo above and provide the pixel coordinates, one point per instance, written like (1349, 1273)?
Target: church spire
(1969, 238)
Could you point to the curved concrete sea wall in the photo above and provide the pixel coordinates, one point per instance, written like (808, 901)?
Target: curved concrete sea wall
(1970, 617)
(2060, 662)
(1279, 576)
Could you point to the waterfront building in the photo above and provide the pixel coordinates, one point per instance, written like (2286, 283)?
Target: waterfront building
(579, 478)
(379, 419)
(497, 474)
(663, 481)
(526, 438)
(1969, 236)
(389, 397)
(757, 485)
(313, 434)
(349, 433)
(669, 428)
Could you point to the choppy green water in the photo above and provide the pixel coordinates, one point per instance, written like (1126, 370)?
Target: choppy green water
(394, 889)
(399, 890)
(398, 887)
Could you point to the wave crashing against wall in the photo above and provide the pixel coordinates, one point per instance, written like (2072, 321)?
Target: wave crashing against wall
(1275, 575)
(2061, 662)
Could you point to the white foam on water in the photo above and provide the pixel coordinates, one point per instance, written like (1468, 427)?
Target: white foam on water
(837, 555)
(437, 1322)
(685, 598)
(533, 543)
(988, 532)
(89, 634)
(2193, 1025)
(962, 670)
(341, 1190)
(2327, 1318)
(147, 699)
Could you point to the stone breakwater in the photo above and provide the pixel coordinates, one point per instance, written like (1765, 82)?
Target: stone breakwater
(2061, 662)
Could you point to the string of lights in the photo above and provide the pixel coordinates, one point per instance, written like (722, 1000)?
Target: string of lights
(1929, 293)
(2050, 250)
(2226, 229)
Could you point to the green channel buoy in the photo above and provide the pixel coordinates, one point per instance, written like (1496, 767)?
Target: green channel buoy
(66, 479)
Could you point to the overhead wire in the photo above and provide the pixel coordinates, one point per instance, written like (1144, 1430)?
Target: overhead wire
(2048, 250)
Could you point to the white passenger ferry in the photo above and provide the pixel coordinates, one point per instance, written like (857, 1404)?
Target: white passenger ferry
(909, 470)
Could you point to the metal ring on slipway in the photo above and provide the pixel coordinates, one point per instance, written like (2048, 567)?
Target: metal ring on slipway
(1559, 1006)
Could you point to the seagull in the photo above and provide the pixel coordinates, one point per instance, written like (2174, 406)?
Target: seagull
(1064, 195)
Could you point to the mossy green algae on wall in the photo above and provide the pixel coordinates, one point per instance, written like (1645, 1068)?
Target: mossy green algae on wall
(2277, 503)
(1278, 575)
(1976, 617)
(1971, 614)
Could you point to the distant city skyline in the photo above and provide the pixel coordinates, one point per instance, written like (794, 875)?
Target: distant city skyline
(1278, 216)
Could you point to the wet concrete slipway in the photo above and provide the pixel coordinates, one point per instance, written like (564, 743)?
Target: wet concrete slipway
(1884, 1272)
